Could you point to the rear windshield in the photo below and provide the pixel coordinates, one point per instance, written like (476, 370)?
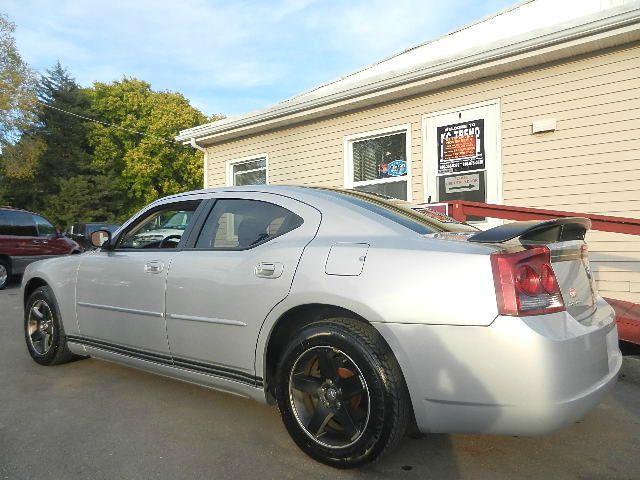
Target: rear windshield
(419, 219)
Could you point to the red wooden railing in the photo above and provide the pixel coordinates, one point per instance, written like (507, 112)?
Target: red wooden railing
(460, 210)
(627, 313)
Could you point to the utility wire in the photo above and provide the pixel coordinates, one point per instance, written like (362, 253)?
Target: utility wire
(107, 124)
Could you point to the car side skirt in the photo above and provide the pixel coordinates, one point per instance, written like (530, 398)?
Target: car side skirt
(207, 375)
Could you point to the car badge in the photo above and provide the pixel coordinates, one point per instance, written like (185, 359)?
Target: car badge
(573, 293)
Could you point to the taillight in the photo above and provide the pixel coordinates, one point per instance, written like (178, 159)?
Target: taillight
(525, 283)
(548, 279)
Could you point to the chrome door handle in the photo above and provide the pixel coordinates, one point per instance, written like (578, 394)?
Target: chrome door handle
(154, 267)
(269, 269)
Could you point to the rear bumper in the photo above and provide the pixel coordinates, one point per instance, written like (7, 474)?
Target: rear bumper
(518, 376)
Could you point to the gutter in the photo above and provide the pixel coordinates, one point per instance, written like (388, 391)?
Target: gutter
(205, 180)
(545, 38)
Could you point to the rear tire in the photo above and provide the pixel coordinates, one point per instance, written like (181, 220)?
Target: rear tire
(43, 330)
(5, 273)
(341, 393)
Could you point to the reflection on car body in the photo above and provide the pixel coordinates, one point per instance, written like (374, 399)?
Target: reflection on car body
(161, 228)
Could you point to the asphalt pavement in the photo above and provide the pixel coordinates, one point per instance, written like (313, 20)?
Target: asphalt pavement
(95, 420)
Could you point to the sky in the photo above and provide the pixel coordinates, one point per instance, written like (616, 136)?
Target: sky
(228, 57)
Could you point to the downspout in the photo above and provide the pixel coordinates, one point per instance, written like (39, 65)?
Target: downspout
(192, 142)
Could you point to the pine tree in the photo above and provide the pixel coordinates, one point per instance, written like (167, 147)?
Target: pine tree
(67, 151)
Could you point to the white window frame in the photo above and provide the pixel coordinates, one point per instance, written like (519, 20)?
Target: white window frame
(252, 158)
(349, 140)
(494, 195)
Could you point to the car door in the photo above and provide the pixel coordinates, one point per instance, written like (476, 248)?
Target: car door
(120, 291)
(222, 286)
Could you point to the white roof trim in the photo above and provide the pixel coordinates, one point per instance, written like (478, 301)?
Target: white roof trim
(623, 20)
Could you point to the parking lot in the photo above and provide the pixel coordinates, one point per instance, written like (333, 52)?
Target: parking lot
(94, 420)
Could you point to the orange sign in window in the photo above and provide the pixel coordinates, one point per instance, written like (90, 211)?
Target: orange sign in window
(459, 147)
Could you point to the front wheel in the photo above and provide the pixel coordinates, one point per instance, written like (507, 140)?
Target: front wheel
(341, 393)
(46, 341)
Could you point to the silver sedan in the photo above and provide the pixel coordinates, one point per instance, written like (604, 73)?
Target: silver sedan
(360, 317)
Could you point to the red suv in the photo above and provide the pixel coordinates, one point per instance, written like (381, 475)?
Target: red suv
(26, 237)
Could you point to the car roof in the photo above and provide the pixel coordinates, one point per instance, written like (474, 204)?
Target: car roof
(15, 209)
(298, 192)
(250, 188)
(308, 194)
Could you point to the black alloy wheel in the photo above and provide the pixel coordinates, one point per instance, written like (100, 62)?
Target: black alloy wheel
(341, 393)
(329, 396)
(43, 330)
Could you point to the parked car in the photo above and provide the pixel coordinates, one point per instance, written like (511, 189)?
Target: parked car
(356, 315)
(26, 237)
(81, 232)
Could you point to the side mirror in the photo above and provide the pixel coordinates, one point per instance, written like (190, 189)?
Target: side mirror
(100, 239)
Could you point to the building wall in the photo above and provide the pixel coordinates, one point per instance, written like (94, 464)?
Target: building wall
(590, 164)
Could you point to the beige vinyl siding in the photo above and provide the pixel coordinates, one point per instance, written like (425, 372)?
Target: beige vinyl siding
(590, 164)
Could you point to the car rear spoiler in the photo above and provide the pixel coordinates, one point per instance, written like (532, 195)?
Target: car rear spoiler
(549, 231)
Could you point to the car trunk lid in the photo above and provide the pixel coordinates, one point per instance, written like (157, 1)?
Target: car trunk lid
(570, 263)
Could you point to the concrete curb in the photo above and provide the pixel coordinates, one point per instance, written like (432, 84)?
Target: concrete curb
(630, 371)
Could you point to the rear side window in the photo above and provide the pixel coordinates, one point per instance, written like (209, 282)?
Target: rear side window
(4, 223)
(20, 224)
(401, 212)
(242, 224)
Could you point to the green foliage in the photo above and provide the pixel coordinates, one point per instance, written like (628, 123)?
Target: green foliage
(68, 152)
(85, 198)
(152, 165)
(51, 149)
(17, 87)
(85, 171)
(20, 160)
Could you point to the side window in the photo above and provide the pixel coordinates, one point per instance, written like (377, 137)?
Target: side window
(44, 228)
(19, 224)
(379, 163)
(248, 172)
(161, 228)
(5, 225)
(241, 224)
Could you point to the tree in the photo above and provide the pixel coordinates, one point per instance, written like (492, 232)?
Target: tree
(67, 150)
(18, 167)
(17, 87)
(51, 149)
(85, 198)
(20, 160)
(151, 164)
